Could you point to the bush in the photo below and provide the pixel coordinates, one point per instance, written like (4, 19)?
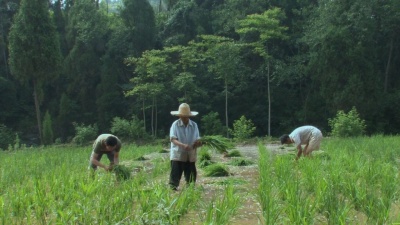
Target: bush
(133, 129)
(84, 134)
(211, 125)
(6, 137)
(242, 129)
(347, 125)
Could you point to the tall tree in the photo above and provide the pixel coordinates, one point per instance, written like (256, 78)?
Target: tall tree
(139, 20)
(225, 63)
(149, 82)
(87, 30)
(34, 49)
(266, 27)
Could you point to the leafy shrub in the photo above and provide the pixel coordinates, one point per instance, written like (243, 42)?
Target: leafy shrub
(211, 125)
(133, 129)
(242, 129)
(84, 134)
(347, 125)
(6, 137)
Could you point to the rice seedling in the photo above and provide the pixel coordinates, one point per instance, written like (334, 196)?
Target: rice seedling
(221, 209)
(216, 170)
(216, 142)
(267, 197)
(234, 153)
(121, 172)
(241, 162)
(357, 184)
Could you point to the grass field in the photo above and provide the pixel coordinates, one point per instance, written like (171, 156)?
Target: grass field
(350, 181)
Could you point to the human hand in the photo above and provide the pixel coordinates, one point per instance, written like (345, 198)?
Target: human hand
(197, 143)
(108, 168)
(187, 147)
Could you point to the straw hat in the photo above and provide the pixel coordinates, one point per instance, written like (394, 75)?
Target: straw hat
(184, 110)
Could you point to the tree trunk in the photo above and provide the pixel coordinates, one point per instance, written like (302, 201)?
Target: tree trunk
(387, 67)
(37, 108)
(156, 118)
(152, 118)
(226, 108)
(4, 51)
(144, 116)
(269, 101)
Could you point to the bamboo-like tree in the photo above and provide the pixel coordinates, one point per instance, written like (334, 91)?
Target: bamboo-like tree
(225, 63)
(267, 26)
(34, 49)
(149, 80)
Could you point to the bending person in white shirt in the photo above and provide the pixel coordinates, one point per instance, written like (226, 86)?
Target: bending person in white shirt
(309, 136)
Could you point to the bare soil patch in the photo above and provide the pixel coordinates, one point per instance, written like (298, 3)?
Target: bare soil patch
(249, 213)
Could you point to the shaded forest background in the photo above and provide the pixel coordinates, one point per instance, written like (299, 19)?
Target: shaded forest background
(279, 63)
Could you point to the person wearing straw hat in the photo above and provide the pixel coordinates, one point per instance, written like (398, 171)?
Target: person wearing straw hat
(304, 135)
(184, 136)
(109, 145)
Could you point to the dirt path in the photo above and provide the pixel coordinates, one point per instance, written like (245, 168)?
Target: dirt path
(250, 211)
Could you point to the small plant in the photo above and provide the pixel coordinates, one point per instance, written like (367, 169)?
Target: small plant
(216, 170)
(347, 124)
(242, 129)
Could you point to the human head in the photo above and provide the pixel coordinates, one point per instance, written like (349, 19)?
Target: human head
(111, 141)
(285, 139)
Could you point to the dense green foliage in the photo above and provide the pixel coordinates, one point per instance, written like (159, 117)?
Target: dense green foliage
(242, 129)
(84, 134)
(347, 124)
(281, 64)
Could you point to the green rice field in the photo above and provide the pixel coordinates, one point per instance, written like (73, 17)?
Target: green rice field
(349, 181)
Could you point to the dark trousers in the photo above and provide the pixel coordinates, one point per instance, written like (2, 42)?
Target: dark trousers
(110, 156)
(177, 168)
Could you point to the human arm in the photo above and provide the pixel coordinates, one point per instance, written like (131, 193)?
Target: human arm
(94, 161)
(116, 158)
(299, 151)
(180, 144)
